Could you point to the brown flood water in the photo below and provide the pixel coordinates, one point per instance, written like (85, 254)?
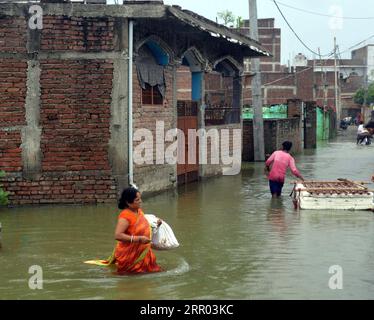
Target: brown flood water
(236, 243)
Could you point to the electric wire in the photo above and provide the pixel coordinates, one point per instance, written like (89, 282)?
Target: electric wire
(322, 14)
(297, 36)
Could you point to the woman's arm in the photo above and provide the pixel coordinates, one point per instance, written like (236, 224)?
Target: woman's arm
(120, 234)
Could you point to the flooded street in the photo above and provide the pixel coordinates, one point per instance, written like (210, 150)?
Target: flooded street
(236, 243)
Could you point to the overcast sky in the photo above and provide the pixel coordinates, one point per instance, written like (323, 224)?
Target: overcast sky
(316, 31)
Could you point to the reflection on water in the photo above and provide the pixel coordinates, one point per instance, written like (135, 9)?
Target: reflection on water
(236, 242)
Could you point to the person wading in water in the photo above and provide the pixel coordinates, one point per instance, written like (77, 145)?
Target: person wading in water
(279, 162)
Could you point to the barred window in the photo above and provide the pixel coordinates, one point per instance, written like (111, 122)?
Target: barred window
(151, 95)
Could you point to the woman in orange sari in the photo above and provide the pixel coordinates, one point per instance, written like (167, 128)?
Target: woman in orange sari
(133, 253)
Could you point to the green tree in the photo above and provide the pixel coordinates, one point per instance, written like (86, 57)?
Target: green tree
(239, 22)
(227, 17)
(359, 97)
(3, 195)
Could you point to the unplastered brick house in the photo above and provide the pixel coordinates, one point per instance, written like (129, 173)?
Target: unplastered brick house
(79, 80)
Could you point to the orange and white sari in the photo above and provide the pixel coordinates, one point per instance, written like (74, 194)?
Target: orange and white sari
(132, 258)
(135, 257)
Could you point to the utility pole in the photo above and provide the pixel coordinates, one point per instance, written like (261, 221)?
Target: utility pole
(258, 121)
(366, 89)
(337, 102)
(324, 81)
(325, 87)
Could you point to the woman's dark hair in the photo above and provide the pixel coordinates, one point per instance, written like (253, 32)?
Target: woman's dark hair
(287, 145)
(128, 196)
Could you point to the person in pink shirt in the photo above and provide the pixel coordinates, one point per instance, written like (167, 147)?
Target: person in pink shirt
(279, 162)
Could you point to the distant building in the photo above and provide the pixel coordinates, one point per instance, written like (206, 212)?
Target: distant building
(270, 39)
(300, 60)
(366, 55)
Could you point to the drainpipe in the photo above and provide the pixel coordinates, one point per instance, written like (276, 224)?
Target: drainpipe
(130, 113)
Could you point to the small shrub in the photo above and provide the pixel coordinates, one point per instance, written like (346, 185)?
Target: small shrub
(3, 194)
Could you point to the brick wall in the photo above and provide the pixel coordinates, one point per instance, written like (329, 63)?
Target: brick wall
(276, 131)
(12, 34)
(270, 39)
(210, 169)
(310, 136)
(75, 114)
(184, 81)
(75, 104)
(61, 33)
(86, 189)
(73, 121)
(294, 108)
(218, 89)
(12, 111)
(289, 130)
(154, 177)
(277, 88)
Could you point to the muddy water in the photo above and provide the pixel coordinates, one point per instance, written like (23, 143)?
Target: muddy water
(236, 243)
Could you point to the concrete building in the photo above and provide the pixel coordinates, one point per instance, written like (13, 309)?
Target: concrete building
(366, 55)
(71, 91)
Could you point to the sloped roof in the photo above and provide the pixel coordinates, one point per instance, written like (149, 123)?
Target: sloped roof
(144, 10)
(217, 31)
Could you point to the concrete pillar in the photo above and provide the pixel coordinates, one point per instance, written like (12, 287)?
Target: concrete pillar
(310, 129)
(201, 124)
(118, 144)
(175, 66)
(31, 133)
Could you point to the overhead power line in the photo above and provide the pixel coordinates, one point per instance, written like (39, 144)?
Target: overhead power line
(297, 36)
(322, 14)
(286, 77)
(357, 44)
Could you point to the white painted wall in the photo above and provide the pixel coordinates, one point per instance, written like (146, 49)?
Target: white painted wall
(344, 70)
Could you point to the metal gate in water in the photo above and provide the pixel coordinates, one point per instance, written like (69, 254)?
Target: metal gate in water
(187, 119)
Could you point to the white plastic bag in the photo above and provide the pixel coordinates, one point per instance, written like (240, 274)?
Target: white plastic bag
(163, 237)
